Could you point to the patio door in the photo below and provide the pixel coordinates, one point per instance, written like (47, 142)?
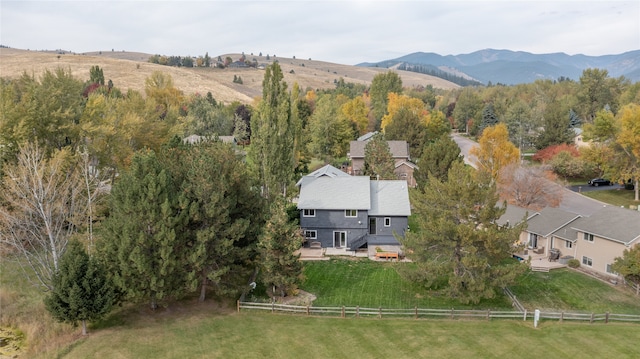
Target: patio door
(339, 239)
(533, 240)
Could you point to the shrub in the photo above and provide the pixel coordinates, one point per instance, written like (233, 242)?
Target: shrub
(573, 263)
(548, 153)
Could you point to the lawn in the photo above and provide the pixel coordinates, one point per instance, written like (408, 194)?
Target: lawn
(352, 282)
(616, 197)
(568, 290)
(198, 333)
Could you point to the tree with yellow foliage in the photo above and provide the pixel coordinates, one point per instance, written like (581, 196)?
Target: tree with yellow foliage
(356, 111)
(629, 141)
(397, 102)
(495, 151)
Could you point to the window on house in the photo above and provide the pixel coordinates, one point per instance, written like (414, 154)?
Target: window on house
(351, 213)
(387, 221)
(311, 234)
(308, 213)
(587, 261)
(610, 270)
(533, 240)
(568, 244)
(588, 237)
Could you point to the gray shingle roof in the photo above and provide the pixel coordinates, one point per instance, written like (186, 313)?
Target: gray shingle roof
(324, 192)
(367, 136)
(550, 220)
(613, 223)
(327, 170)
(337, 192)
(389, 198)
(399, 149)
(514, 215)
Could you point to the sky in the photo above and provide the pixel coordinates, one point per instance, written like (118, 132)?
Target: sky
(345, 32)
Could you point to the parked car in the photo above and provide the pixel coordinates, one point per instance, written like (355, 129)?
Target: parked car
(599, 182)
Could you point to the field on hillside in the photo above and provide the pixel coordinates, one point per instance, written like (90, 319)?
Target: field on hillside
(128, 70)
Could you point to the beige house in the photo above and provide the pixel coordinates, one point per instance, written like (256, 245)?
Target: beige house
(404, 168)
(595, 240)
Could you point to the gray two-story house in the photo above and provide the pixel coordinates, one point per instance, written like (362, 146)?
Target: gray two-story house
(342, 211)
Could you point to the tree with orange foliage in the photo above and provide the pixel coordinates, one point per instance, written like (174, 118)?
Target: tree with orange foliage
(548, 153)
(495, 151)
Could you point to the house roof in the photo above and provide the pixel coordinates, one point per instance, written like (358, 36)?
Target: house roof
(399, 149)
(351, 192)
(367, 136)
(549, 220)
(327, 170)
(331, 189)
(515, 215)
(613, 223)
(389, 198)
(406, 163)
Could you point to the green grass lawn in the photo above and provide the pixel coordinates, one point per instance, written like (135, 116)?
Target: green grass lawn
(565, 289)
(202, 334)
(352, 282)
(616, 197)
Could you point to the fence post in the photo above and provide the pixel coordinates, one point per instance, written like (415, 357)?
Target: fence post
(524, 317)
(358, 312)
(451, 313)
(307, 310)
(342, 314)
(561, 316)
(238, 305)
(416, 309)
(379, 312)
(273, 306)
(606, 317)
(591, 321)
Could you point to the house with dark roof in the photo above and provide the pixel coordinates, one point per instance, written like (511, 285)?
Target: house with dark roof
(350, 212)
(404, 168)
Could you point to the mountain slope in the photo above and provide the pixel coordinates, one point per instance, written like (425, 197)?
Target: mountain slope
(128, 70)
(513, 67)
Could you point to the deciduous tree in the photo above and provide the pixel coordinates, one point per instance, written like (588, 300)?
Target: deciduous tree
(628, 265)
(494, 151)
(530, 187)
(381, 86)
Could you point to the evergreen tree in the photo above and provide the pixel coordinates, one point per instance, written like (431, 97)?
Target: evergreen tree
(556, 126)
(378, 160)
(488, 117)
(272, 137)
(81, 291)
(437, 158)
(224, 215)
(143, 247)
(281, 269)
(409, 126)
(574, 120)
(459, 242)
(96, 75)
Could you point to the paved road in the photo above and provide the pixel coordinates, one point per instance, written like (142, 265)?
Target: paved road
(571, 201)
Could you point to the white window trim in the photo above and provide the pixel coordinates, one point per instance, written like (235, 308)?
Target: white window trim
(349, 211)
(345, 239)
(313, 234)
(587, 259)
(387, 220)
(305, 211)
(589, 235)
(568, 244)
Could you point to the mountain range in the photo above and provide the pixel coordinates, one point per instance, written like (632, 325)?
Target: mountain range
(513, 67)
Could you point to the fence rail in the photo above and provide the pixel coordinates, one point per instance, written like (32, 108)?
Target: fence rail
(418, 313)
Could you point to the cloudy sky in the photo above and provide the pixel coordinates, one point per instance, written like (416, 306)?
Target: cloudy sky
(346, 32)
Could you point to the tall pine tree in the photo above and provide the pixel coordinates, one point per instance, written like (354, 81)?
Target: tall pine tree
(143, 247)
(81, 291)
(281, 269)
(378, 160)
(459, 242)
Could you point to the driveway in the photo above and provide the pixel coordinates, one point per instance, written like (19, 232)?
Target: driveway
(571, 201)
